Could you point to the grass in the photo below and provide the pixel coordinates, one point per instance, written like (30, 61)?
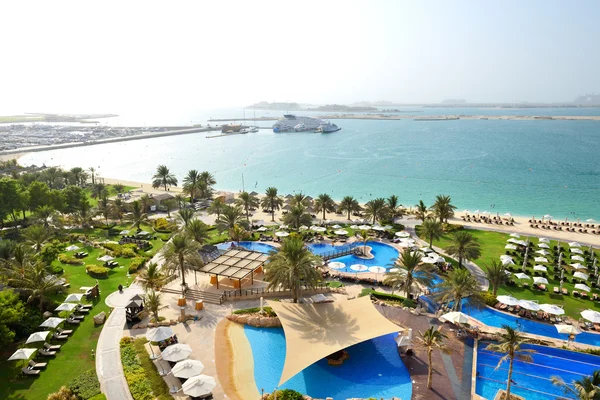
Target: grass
(111, 192)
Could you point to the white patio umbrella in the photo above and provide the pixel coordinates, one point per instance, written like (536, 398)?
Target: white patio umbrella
(74, 298)
(22, 354)
(199, 385)
(428, 260)
(529, 305)
(540, 268)
(515, 235)
(159, 334)
(590, 220)
(574, 244)
(538, 280)
(521, 275)
(66, 307)
(105, 258)
(359, 267)
(341, 232)
(578, 266)
(52, 322)
(581, 286)
(510, 247)
(568, 329)
(262, 229)
(543, 252)
(303, 228)
(513, 240)
(319, 229)
(188, 368)
(508, 215)
(124, 232)
(507, 261)
(377, 270)
(578, 258)
(72, 248)
(544, 240)
(336, 265)
(336, 226)
(176, 352)
(508, 300)
(543, 246)
(402, 234)
(364, 227)
(378, 228)
(547, 216)
(576, 251)
(281, 234)
(581, 275)
(455, 317)
(37, 337)
(591, 315)
(522, 242)
(552, 309)
(540, 259)
(394, 270)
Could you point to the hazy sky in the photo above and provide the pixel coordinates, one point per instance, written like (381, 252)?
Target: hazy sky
(104, 56)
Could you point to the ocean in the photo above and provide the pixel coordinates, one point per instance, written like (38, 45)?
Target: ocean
(523, 167)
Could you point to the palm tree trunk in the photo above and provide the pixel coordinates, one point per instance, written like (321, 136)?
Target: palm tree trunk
(323, 214)
(430, 242)
(182, 274)
(272, 214)
(430, 369)
(460, 262)
(510, 369)
(494, 289)
(165, 186)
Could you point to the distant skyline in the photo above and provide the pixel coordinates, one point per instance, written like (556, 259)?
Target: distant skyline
(73, 56)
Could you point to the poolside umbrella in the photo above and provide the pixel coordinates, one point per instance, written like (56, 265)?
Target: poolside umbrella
(66, 307)
(159, 334)
(544, 240)
(402, 234)
(552, 309)
(52, 322)
(540, 268)
(510, 247)
(281, 234)
(105, 258)
(336, 226)
(455, 317)
(574, 244)
(364, 227)
(72, 248)
(583, 287)
(568, 329)
(581, 275)
(591, 315)
(428, 260)
(508, 300)
(529, 305)
(262, 229)
(521, 275)
(377, 270)
(508, 215)
(543, 252)
(548, 217)
(359, 267)
(22, 354)
(578, 258)
(541, 259)
(394, 270)
(538, 280)
(303, 228)
(318, 229)
(543, 246)
(199, 385)
(512, 240)
(578, 266)
(336, 265)
(515, 235)
(37, 337)
(341, 232)
(188, 368)
(176, 352)
(74, 298)
(576, 251)
(378, 228)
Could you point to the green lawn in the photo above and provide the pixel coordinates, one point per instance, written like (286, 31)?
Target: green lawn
(111, 192)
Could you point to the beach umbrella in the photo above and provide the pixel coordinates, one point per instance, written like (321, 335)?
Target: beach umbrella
(485, 212)
(576, 251)
(262, 229)
(378, 228)
(540, 268)
(105, 258)
(402, 234)
(159, 334)
(199, 385)
(581, 286)
(578, 266)
(508, 300)
(336, 265)
(476, 212)
(52, 322)
(547, 216)
(521, 275)
(552, 309)
(568, 329)
(515, 235)
(66, 307)
(281, 234)
(336, 226)
(188, 368)
(37, 337)
(591, 315)
(341, 232)
(543, 252)
(22, 354)
(318, 229)
(377, 270)
(529, 305)
(74, 298)
(508, 215)
(510, 247)
(578, 258)
(574, 244)
(394, 270)
(72, 248)
(541, 259)
(176, 352)
(538, 280)
(543, 246)
(455, 317)
(544, 240)
(364, 227)
(359, 267)
(581, 275)
(590, 220)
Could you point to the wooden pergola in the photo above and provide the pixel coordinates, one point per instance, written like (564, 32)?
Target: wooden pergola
(236, 265)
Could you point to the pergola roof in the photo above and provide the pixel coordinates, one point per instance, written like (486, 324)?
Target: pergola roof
(235, 263)
(314, 331)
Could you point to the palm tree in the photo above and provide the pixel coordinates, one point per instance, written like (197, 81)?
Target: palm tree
(459, 284)
(37, 236)
(37, 283)
(297, 216)
(247, 201)
(98, 189)
(421, 212)
(152, 278)
(179, 199)
(364, 236)
(163, 177)
(207, 181)
(292, 266)
(230, 217)
(169, 204)
(443, 208)
(198, 230)
(118, 208)
(138, 216)
(190, 183)
(237, 234)
(432, 339)
(586, 388)
(411, 274)
(105, 208)
(464, 246)
(271, 202)
(119, 188)
(300, 199)
(376, 209)
(153, 303)
(45, 214)
(181, 254)
(185, 216)
(216, 207)
(77, 172)
(495, 272)
(145, 201)
(509, 343)
(324, 203)
(349, 204)
(93, 172)
(84, 215)
(394, 207)
(432, 230)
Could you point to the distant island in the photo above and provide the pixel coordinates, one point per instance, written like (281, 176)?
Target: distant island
(265, 105)
(342, 108)
(41, 117)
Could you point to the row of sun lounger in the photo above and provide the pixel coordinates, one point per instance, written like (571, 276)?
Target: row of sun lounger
(521, 312)
(47, 350)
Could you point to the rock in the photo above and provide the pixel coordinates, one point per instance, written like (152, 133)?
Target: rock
(100, 318)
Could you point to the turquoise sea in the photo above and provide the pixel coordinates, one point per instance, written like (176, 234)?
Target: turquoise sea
(523, 167)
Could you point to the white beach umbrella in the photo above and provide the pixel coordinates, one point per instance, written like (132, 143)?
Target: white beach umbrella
(52, 322)
(538, 280)
(378, 228)
(543, 246)
(591, 315)
(507, 261)
(508, 215)
(364, 227)
(262, 229)
(541, 259)
(455, 317)
(508, 300)
(105, 258)
(476, 212)
(176, 352)
(37, 337)
(22, 354)
(578, 266)
(540, 268)
(529, 305)
(72, 248)
(303, 228)
(66, 307)
(544, 240)
(568, 329)
(485, 213)
(543, 252)
(576, 251)
(341, 232)
(319, 229)
(159, 334)
(515, 235)
(522, 242)
(402, 234)
(513, 240)
(377, 270)
(574, 244)
(547, 216)
(552, 309)
(521, 275)
(359, 267)
(281, 234)
(188, 368)
(199, 385)
(581, 275)
(74, 298)
(578, 258)
(336, 226)
(510, 247)
(336, 265)
(394, 270)
(581, 286)
(590, 220)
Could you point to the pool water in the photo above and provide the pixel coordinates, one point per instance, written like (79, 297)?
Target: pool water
(383, 255)
(374, 369)
(532, 379)
(254, 246)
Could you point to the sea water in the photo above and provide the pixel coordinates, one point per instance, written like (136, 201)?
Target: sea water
(533, 167)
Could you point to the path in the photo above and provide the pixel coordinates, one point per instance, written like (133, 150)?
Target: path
(108, 354)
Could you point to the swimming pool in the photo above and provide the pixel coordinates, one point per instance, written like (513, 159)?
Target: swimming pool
(532, 379)
(383, 255)
(254, 246)
(374, 369)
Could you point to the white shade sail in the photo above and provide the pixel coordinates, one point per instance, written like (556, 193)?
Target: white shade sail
(402, 234)
(574, 244)
(72, 248)
(576, 251)
(544, 240)
(510, 247)
(105, 258)
(515, 235)
(578, 266)
(578, 258)
(543, 252)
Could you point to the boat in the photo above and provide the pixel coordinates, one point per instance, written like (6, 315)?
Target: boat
(231, 127)
(254, 129)
(327, 127)
(300, 128)
(294, 123)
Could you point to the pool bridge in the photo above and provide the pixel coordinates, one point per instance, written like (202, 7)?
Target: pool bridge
(354, 248)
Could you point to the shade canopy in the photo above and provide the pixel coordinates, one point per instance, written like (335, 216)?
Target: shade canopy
(37, 337)
(508, 300)
(591, 315)
(199, 385)
(22, 354)
(538, 280)
(159, 334)
(540, 268)
(529, 305)
(510, 247)
(341, 232)
(581, 275)
(552, 309)
(282, 234)
(521, 275)
(72, 248)
(581, 286)
(52, 322)
(402, 234)
(569, 329)
(543, 246)
(515, 235)
(377, 270)
(576, 251)
(336, 265)
(574, 244)
(455, 317)
(318, 229)
(540, 259)
(543, 252)
(176, 352)
(187, 369)
(262, 229)
(74, 298)
(544, 240)
(66, 307)
(578, 258)
(578, 266)
(364, 227)
(105, 258)
(359, 267)
(314, 331)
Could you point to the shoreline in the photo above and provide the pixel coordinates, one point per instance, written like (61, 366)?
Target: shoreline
(449, 117)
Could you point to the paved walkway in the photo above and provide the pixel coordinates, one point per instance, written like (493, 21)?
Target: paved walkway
(108, 354)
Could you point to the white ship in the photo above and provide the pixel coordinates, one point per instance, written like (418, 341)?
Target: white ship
(327, 127)
(294, 123)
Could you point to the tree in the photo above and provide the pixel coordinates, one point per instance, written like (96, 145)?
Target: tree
(586, 388)
(64, 393)
(185, 216)
(77, 173)
(37, 236)
(93, 172)
(216, 207)
(73, 197)
(459, 284)
(98, 189)
(297, 216)
(230, 216)
(509, 343)
(152, 278)
(442, 208)
(271, 202)
(364, 236)
(237, 234)
(324, 203)
(300, 199)
(118, 209)
(198, 231)
(138, 216)
(207, 181)
(119, 188)
(421, 211)
(495, 272)
(10, 199)
(37, 283)
(247, 201)
(292, 266)
(376, 209)
(430, 340)
(39, 194)
(191, 184)
(169, 204)
(105, 209)
(84, 215)
(45, 214)
(180, 200)
(349, 205)
(464, 246)
(181, 254)
(153, 303)
(163, 177)
(432, 230)
(395, 209)
(411, 274)
(12, 310)
(145, 202)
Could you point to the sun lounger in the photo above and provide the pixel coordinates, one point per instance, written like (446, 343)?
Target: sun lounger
(565, 292)
(73, 321)
(46, 353)
(555, 289)
(511, 309)
(35, 365)
(52, 347)
(30, 372)
(78, 317)
(64, 331)
(59, 337)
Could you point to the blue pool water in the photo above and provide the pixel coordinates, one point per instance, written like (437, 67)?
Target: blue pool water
(374, 369)
(532, 379)
(254, 246)
(384, 255)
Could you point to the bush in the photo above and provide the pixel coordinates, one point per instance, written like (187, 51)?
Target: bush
(85, 385)
(409, 303)
(55, 269)
(165, 237)
(286, 394)
(162, 225)
(99, 396)
(268, 310)
(66, 259)
(63, 394)
(451, 228)
(334, 284)
(489, 298)
(142, 377)
(97, 271)
(127, 250)
(51, 251)
(136, 264)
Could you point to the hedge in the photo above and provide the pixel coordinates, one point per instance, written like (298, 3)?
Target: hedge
(97, 271)
(489, 298)
(286, 394)
(118, 250)
(160, 389)
(56, 269)
(388, 297)
(136, 264)
(268, 310)
(66, 259)
(143, 379)
(85, 385)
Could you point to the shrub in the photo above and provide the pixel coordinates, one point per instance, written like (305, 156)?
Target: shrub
(63, 394)
(268, 310)
(97, 271)
(66, 259)
(85, 385)
(55, 269)
(334, 284)
(51, 251)
(286, 394)
(142, 377)
(99, 396)
(126, 250)
(450, 228)
(165, 237)
(489, 298)
(136, 264)
(162, 225)
(409, 303)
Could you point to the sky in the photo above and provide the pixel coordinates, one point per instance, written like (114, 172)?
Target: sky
(105, 56)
